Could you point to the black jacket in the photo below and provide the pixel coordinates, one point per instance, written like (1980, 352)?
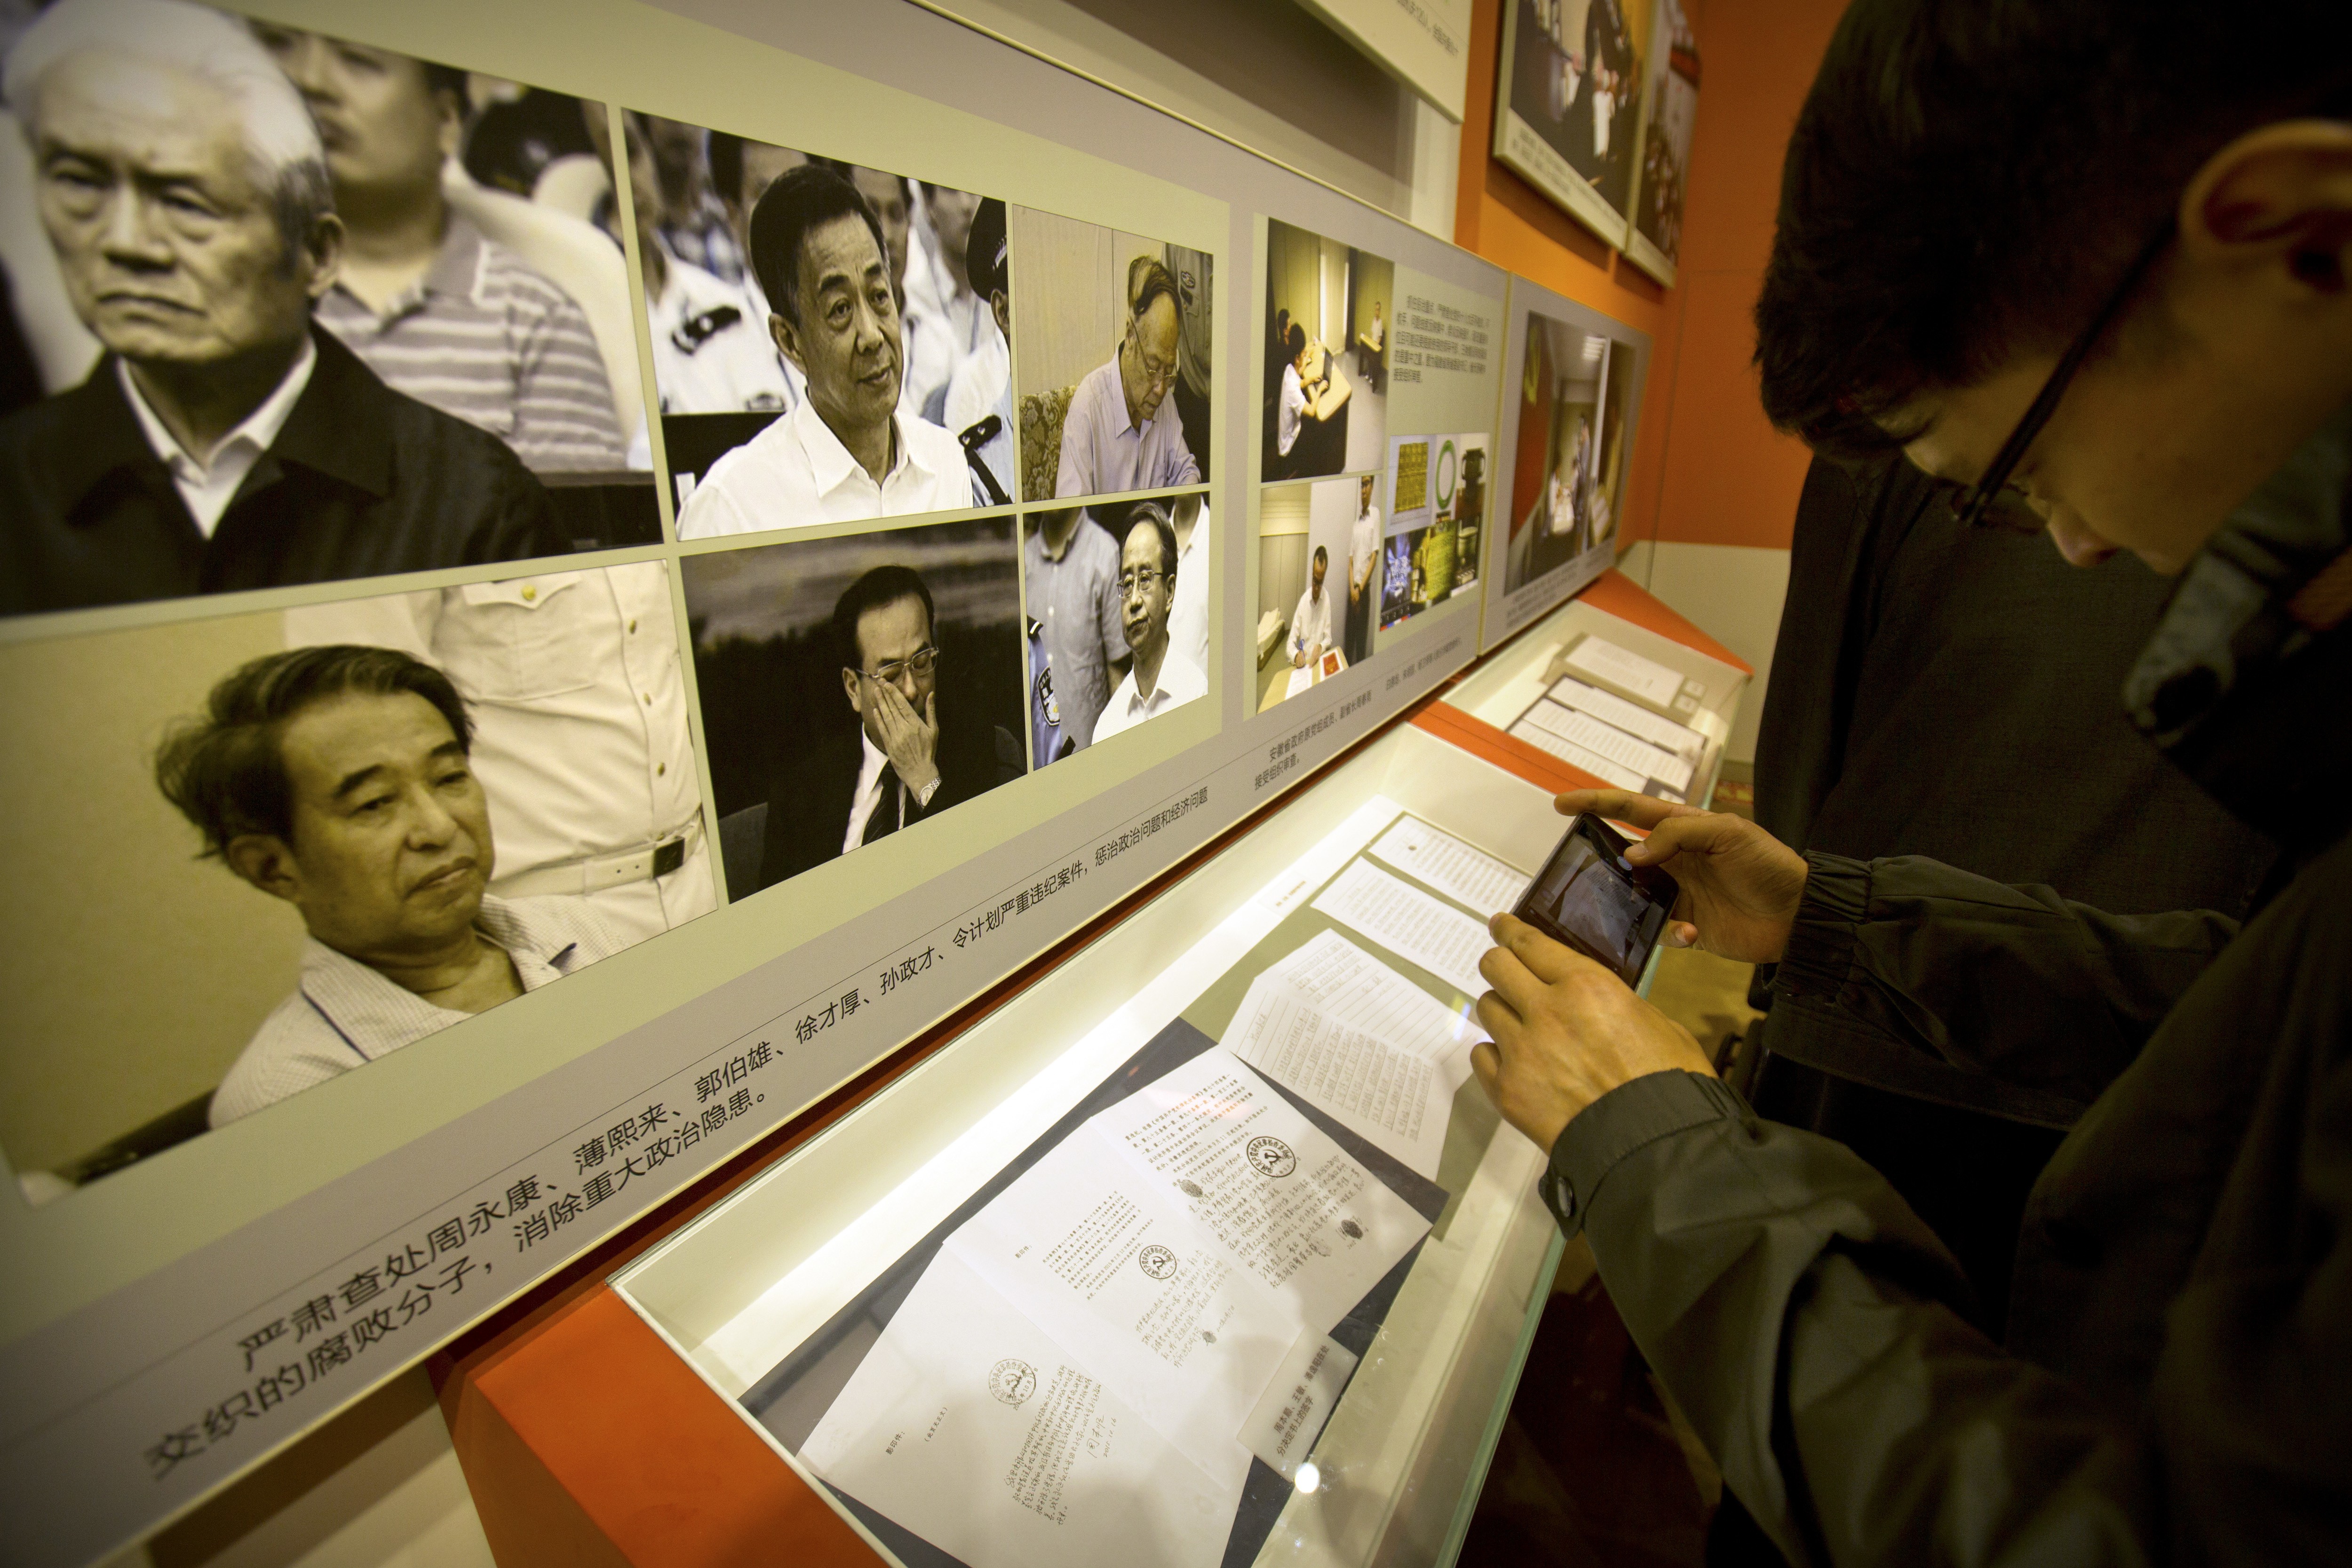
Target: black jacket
(362, 481)
(808, 806)
(2177, 1380)
(1923, 669)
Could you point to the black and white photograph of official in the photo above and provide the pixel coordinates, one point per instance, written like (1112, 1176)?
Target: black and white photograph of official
(1570, 113)
(1117, 620)
(853, 688)
(828, 338)
(1114, 332)
(1330, 309)
(294, 317)
(275, 847)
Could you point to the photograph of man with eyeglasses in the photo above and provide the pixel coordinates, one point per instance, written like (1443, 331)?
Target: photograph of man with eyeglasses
(1122, 433)
(1158, 677)
(908, 757)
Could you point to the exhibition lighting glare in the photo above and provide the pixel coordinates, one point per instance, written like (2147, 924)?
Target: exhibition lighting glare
(1592, 347)
(1309, 1477)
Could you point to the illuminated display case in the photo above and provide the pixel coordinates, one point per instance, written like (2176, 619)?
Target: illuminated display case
(804, 1263)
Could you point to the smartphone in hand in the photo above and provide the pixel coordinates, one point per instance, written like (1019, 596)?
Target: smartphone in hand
(1588, 898)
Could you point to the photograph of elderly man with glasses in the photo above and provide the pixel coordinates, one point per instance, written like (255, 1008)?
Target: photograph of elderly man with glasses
(1122, 433)
(1158, 677)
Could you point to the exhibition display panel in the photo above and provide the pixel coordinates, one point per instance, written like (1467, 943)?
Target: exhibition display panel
(844, 504)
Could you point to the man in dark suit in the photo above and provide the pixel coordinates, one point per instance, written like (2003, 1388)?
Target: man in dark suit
(222, 442)
(905, 762)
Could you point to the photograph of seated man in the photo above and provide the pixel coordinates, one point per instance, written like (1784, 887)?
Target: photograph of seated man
(848, 450)
(1158, 677)
(1325, 303)
(572, 694)
(356, 363)
(221, 440)
(1105, 375)
(853, 688)
(338, 779)
(1315, 543)
(584, 745)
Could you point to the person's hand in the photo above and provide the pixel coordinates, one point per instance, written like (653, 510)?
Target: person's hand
(910, 740)
(1740, 886)
(1566, 1032)
(1298, 659)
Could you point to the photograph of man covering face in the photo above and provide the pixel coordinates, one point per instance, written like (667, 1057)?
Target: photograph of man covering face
(301, 840)
(303, 345)
(855, 688)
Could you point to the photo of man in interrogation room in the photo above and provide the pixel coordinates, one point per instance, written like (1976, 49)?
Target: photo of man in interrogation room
(299, 841)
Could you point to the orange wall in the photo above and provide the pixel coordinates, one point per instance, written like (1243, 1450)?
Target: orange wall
(1708, 469)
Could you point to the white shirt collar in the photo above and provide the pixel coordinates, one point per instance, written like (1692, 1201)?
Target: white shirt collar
(260, 426)
(208, 483)
(830, 463)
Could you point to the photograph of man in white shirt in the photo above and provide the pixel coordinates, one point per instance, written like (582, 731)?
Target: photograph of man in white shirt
(340, 779)
(1158, 677)
(1310, 624)
(845, 452)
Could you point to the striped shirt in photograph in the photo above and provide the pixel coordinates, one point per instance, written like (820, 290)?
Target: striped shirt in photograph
(486, 338)
(344, 1014)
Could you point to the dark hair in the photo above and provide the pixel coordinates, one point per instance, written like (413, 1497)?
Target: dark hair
(223, 770)
(1968, 177)
(1296, 341)
(984, 254)
(725, 156)
(1148, 281)
(882, 586)
(1323, 555)
(800, 200)
(448, 79)
(1150, 511)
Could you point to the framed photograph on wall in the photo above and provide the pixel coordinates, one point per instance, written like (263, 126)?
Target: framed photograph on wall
(1567, 104)
(1669, 110)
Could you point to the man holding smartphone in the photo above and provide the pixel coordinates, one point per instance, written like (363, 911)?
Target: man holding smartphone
(2090, 262)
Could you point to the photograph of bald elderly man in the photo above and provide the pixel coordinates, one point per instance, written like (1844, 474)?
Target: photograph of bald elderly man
(223, 440)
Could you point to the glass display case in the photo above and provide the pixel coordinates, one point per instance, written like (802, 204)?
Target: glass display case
(758, 1281)
(843, 1304)
(1611, 689)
